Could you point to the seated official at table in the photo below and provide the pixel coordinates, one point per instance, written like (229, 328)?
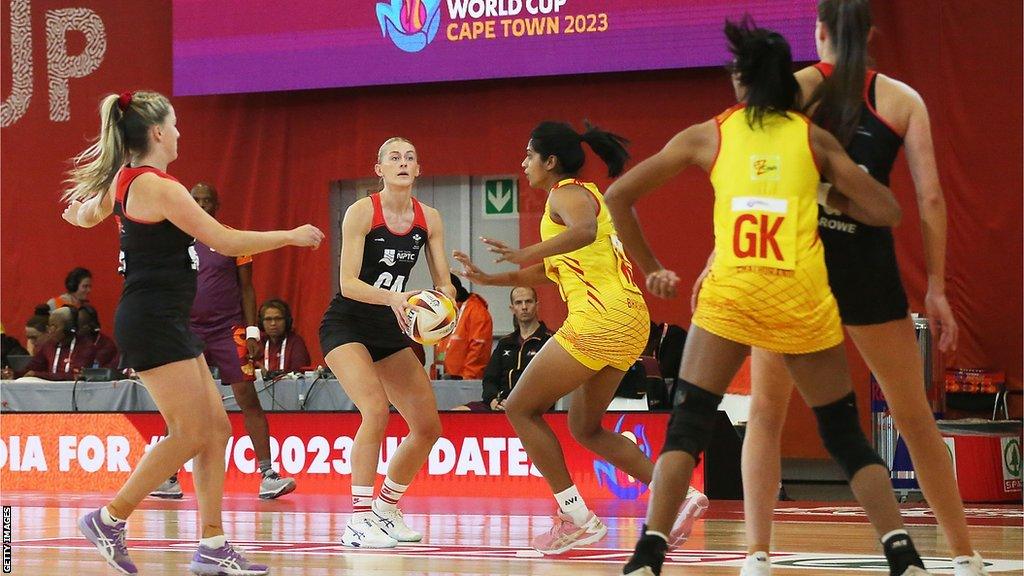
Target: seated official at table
(63, 355)
(283, 350)
(513, 352)
(89, 331)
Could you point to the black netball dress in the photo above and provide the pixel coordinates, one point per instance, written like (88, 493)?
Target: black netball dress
(388, 259)
(159, 264)
(861, 259)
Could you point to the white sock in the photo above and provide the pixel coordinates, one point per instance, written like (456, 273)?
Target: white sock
(571, 504)
(897, 532)
(214, 541)
(108, 518)
(963, 560)
(390, 493)
(656, 533)
(757, 557)
(362, 499)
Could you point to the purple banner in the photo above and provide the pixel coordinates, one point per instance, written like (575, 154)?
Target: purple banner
(233, 46)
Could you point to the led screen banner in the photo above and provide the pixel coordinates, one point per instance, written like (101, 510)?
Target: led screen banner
(478, 454)
(234, 46)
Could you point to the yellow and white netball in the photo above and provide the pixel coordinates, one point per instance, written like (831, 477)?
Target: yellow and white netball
(433, 317)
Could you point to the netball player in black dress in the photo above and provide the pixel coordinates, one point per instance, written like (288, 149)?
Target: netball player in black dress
(362, 337)
(123, 173)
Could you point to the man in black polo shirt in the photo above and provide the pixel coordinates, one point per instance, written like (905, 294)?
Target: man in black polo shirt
(513, 352)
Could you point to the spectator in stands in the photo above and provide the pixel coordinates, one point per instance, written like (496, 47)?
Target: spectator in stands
(78, 284)
(63, 355)
(513, 351)
(467, 351)
(284, 350)
(35, 328)
(8, 345)
(89, 331)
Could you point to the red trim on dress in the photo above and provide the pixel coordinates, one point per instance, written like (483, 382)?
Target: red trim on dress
(125, 177)
(579, 183)
(418, 219)
(826, 70)
(872, 74)
(719, 120)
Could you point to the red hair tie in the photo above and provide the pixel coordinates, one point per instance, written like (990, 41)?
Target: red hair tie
(125, 100)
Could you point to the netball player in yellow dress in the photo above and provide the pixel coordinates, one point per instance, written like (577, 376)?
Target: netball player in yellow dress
(606, 329)
(768, 285)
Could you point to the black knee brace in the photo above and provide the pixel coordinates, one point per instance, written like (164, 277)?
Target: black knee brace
(839, 428)
(692, 421)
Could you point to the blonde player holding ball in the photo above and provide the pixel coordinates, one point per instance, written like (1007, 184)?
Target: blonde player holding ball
(362, 335)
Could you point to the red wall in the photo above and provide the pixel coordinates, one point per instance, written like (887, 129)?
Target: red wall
(273, 155)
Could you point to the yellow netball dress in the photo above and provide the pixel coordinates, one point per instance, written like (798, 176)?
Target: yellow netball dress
(768, 286)
(608, 322)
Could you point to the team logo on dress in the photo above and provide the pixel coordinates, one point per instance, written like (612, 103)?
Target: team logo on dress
(411, 24)
(622, 485)
(765, 166)
(391, 256)
(416, 240)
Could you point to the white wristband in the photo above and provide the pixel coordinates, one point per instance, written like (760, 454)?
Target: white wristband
(823, 190)
(252, 332)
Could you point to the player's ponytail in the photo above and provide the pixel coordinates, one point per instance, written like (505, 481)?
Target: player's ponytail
(838, 98)
(763, 63)
(124, 130)
(560, 140)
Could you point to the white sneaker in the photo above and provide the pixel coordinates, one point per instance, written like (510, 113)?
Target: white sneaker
(694, 507)
(756, 564)
(973, 566)
(364, 533)
(392, 523)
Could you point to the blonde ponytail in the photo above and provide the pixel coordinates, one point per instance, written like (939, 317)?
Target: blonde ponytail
(124, 127)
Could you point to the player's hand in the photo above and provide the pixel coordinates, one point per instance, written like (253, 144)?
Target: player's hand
(662, 283)
(943, 322)
(447, 289)
(252, 348)
(7, 373)
(399, 303)
(505, 254)
(71, 212)
(306, 235)
(469, 270)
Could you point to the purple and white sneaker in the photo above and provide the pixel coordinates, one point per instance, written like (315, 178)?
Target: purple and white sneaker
(109, 540)
(224, 561)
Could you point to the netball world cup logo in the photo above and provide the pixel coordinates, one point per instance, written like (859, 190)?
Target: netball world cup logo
(622, 485)
(411, 24)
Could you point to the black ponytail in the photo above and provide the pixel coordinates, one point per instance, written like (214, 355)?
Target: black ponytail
(839, 97)
(764, 63)
(560, 140)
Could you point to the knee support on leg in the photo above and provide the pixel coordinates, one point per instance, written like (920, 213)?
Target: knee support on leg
(692, 421)
(840, 431)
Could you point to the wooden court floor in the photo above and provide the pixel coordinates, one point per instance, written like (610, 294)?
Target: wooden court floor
(300, 537)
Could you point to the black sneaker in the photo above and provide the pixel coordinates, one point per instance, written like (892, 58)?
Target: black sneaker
(648, 556)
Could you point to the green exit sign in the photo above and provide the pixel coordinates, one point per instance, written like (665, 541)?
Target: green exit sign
(500, 198)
